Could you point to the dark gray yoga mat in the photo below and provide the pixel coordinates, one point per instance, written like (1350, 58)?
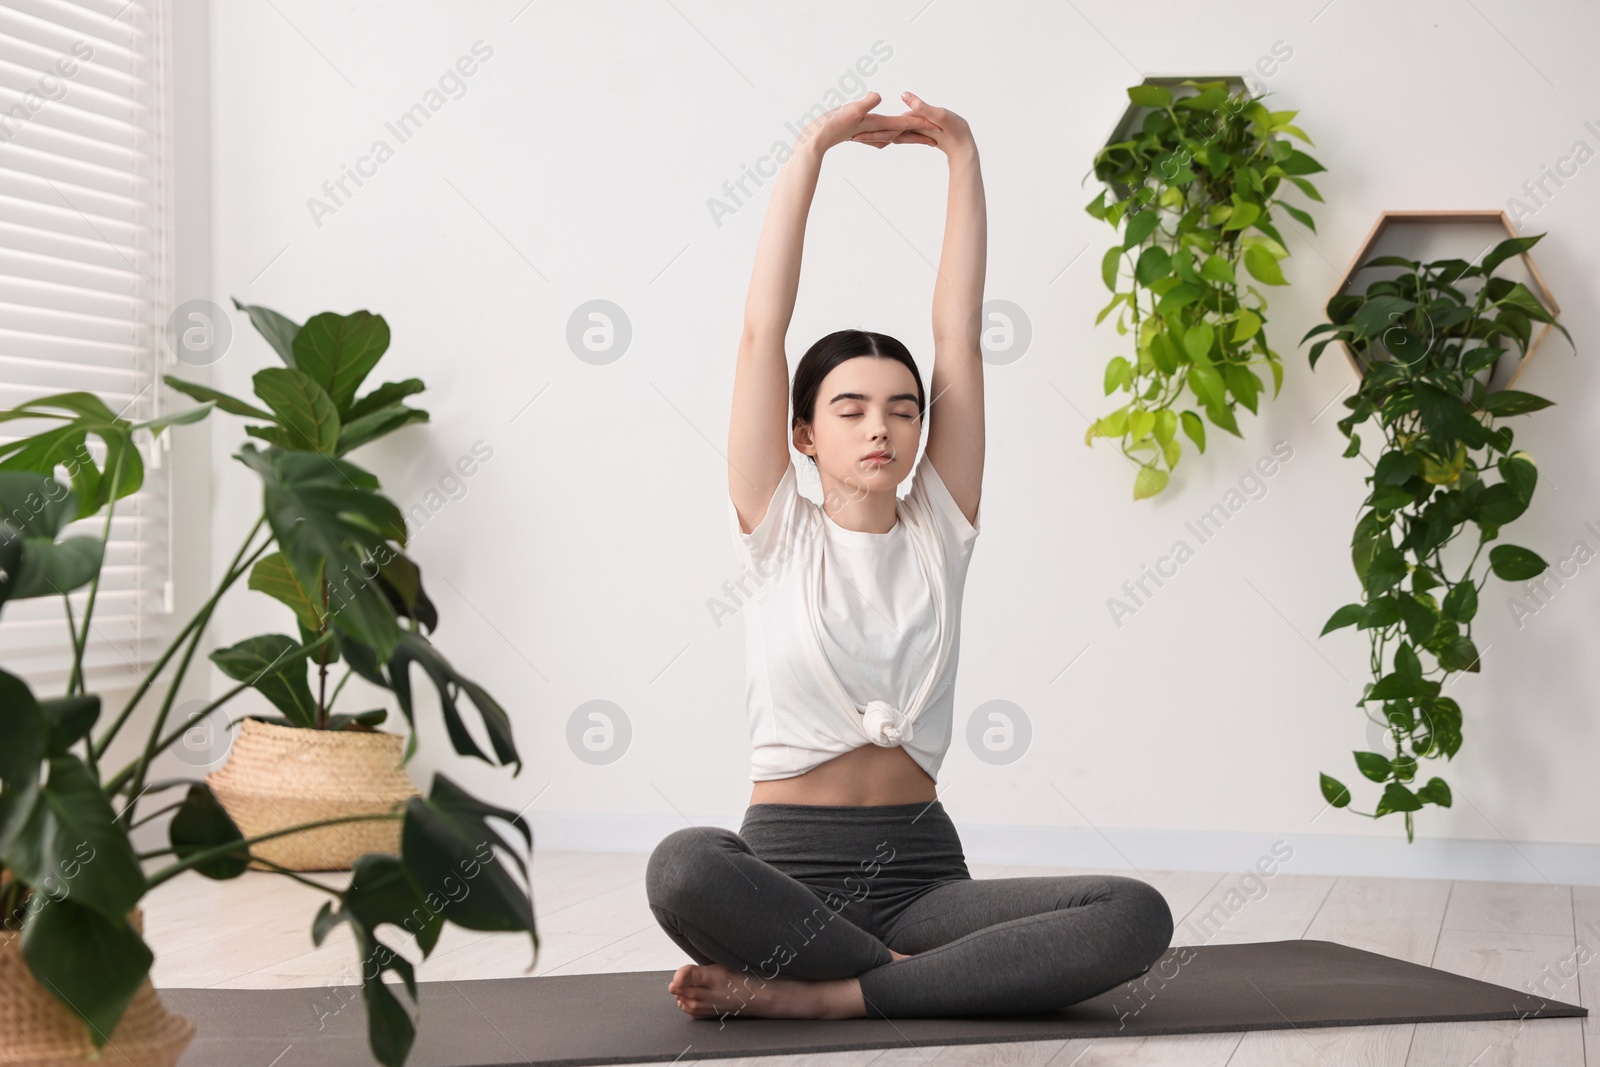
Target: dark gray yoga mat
(629, 1017)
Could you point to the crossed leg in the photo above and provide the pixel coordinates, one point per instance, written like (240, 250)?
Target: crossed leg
(1015, 946)
(767, 944)
(764, 943)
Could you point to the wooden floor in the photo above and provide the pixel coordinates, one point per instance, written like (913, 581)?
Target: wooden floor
(254, 932)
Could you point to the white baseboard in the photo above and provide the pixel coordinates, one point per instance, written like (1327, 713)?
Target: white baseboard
(1171, 850)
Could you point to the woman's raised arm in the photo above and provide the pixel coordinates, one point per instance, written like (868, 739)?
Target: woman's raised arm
(758, 432)
(956, 425)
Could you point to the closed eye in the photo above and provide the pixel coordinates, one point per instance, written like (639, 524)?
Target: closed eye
(858, 414)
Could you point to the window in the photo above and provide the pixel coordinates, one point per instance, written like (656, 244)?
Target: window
(85, 290)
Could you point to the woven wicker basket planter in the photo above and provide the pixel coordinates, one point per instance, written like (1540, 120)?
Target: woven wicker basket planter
(37, 1029)
(282, 776)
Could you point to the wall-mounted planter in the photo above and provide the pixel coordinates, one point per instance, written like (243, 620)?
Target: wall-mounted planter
(1191, 175)
(1429, 345)
(1452, 228)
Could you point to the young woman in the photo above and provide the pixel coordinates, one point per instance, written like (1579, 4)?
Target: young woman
(845, 892)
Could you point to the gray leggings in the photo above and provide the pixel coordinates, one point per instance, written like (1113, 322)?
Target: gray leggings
(822, 891)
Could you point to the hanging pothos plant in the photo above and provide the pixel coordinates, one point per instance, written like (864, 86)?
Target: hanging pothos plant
(1192, 193)
(1427, 350)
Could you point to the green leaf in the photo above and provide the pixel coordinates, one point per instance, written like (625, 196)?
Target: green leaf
(1459, 655)
(371, 717)
(369, 428)
(1517, 471)
(1197, 341)
(1141, 224)
(1263, 266)
(1148, 482)
(92, 964)
(264, 663)
(1503, 402)
(231, 405)
(1246, 326)
(1396, 797)
(321, 509)
(1405, 657)
(1461, 603)
(1435, 792)
(338, 351)
(279, 331)
(35, 508)
(1444, 418)
(1334, 792)
(1513, 246)
(199, 825)
(80, 413)
(1156, 96)
(449, 829)
(26, 730)
(273, 575)
(1217, 269)
(412, 648)
(1221, 416)
(69, 719)
(1194, 429)
(381, 892)
(1372, 765)
(1179, 296)
(1243, 214)
(1109, 265)
(1154, 263)
(1512, 563)
(1400, 684)
(1345, 616)
(177, 418)
(1420, 621)
(70, 824)
(1242, 383)
(1498, 505)
(1118, 373)
(386, 395)
(1381, 611)
(1306, 187)
(1394, 468)
(303, 410)
(401, 581)
(1385, 571)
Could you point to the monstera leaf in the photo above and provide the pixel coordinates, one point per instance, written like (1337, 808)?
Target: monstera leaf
(36, 508)
(395, 674)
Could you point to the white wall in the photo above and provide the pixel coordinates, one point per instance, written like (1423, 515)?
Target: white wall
(580, 563)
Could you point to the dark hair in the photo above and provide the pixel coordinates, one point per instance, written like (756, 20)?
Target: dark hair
(834, 349)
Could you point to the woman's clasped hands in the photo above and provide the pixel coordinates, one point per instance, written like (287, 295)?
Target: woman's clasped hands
(922, 124)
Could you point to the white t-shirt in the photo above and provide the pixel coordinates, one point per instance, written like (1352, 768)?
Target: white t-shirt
(852, 637)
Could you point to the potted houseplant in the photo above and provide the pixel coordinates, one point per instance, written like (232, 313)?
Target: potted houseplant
(72, 955)
(1192, 192)
(1426, 349)
(309, 763)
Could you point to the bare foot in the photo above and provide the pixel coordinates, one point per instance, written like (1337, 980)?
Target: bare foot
(710, 990)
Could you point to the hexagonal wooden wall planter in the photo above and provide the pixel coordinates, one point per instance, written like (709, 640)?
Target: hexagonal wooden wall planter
(1495, 217)
(1134, 114)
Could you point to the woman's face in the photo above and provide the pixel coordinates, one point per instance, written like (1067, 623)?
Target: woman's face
(865, 405)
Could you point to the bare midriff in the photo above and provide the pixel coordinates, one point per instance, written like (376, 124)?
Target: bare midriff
(868, 776)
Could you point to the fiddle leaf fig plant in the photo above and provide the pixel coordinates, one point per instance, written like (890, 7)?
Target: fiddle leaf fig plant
(70, 875)
(1427, 350)
(1192, 194)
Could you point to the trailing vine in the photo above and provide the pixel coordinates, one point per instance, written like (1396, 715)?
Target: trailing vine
(1427, 350)
(1193, 194)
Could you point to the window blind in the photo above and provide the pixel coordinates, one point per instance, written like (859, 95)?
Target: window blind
(85, 290)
